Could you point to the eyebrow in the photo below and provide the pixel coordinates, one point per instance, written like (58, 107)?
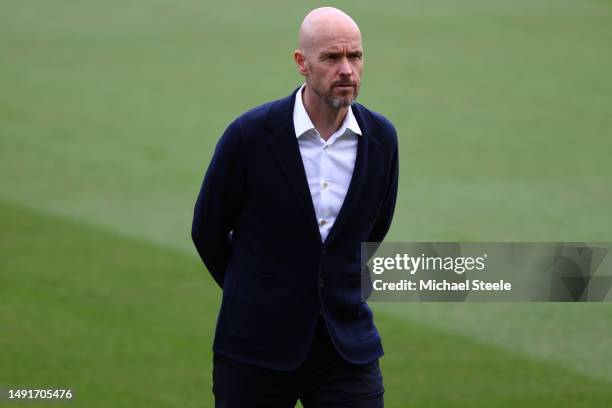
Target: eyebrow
(335, 52)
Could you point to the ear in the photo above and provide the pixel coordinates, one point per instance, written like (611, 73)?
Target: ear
(300, 62)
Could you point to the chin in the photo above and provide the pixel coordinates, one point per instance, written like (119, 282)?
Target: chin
(342, 102)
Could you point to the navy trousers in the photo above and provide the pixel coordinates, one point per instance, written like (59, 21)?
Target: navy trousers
(324, 380)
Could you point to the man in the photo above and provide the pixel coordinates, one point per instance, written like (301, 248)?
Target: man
(293, 188)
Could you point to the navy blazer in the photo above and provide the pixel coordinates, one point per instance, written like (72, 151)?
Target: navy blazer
(255, 228)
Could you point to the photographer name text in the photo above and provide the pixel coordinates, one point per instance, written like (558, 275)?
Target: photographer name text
(433, 285)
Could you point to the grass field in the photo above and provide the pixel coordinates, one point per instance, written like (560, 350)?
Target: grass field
(109, 112)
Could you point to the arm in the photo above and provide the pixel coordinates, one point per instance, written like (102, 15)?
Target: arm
(383, 222)
(219, 202)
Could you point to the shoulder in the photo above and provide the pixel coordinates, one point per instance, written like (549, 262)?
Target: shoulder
(258, 121)
(386, 130)
(270, 111)
(257, 115)
(251, 122)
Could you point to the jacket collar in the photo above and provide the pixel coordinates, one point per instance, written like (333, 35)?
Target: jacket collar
(284, 145)
(302, 122)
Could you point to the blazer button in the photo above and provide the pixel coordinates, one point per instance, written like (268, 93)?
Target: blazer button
(321, 282)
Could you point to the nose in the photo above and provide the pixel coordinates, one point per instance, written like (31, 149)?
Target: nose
(346, 68)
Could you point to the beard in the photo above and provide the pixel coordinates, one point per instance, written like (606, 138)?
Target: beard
(337, 102)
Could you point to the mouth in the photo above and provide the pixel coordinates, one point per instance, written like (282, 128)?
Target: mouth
(344, 86)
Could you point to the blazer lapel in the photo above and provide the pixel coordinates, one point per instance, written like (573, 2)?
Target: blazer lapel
(284, 146)
(365, 149)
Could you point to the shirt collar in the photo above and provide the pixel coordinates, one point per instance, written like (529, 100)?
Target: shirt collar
(302, 122)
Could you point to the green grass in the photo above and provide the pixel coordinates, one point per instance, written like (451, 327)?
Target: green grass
(120, 322)
(424, 367)
(125, 323)
(108, 116)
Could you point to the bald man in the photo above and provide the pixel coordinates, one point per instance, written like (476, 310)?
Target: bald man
(293, 188)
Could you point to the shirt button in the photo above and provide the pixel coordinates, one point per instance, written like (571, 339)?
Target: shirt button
(321, 282)
(324, 185)
(322, 222)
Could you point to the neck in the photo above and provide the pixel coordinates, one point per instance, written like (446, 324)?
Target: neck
(324, 117)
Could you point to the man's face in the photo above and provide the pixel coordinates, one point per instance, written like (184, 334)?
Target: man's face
(334, 67)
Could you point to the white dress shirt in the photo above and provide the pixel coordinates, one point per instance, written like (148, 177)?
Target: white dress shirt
(329, 164)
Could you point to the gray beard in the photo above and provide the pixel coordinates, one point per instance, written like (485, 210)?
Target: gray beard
(339, 103)
(335, 103)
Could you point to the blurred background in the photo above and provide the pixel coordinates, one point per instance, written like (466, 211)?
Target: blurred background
(110, 111)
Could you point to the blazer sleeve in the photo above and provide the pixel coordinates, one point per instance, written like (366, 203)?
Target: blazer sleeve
(219, 202)
(385, 215)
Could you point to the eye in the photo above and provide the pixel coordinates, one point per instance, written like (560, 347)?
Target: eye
(329, 57)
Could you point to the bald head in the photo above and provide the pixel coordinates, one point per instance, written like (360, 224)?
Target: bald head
(326, 24)
(330, 57)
